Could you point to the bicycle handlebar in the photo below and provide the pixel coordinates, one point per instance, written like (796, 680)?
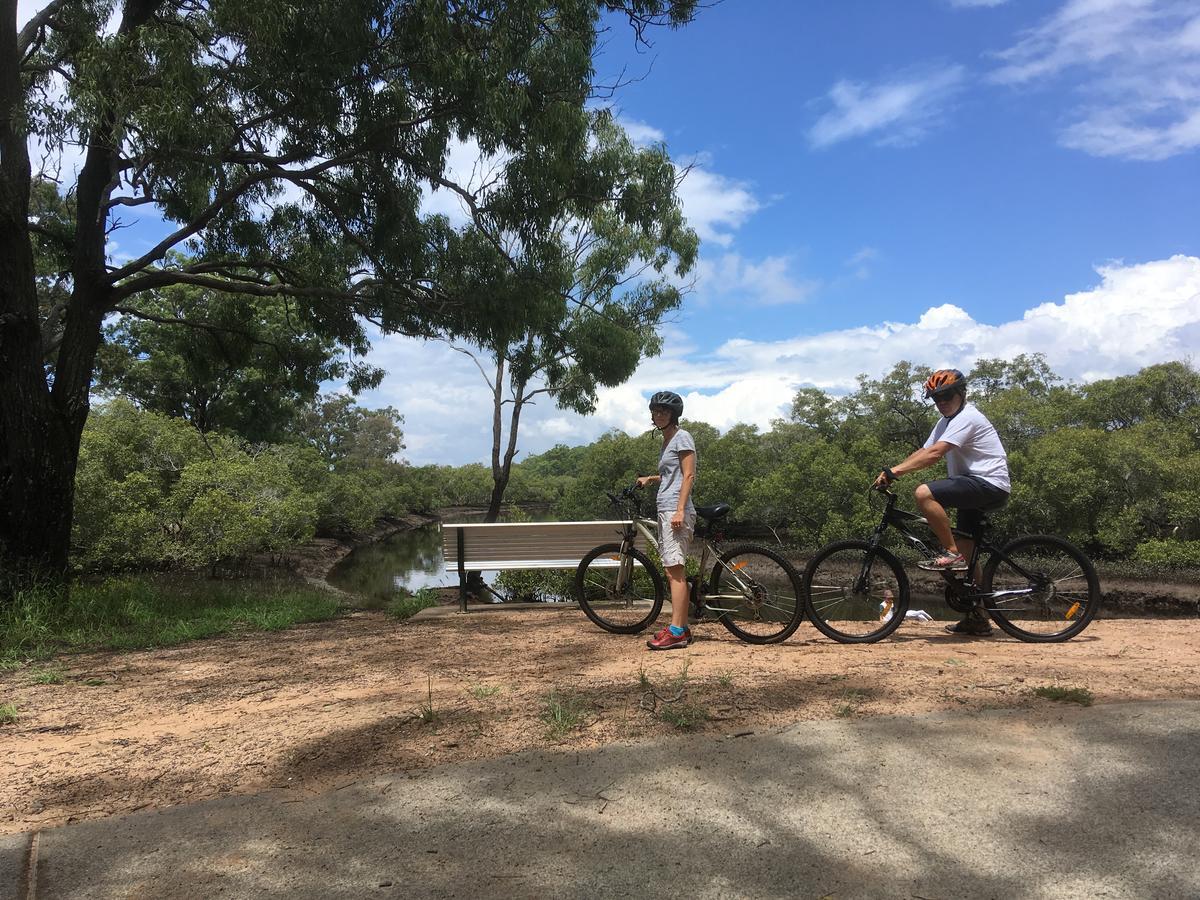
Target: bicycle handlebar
(627, 495)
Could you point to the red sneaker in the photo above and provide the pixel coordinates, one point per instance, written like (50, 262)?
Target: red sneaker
(664, 640)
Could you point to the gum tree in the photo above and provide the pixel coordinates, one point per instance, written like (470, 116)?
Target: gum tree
(285, 147)
(596, 295)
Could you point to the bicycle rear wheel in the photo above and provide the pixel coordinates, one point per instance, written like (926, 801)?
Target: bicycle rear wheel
(854, 593)
(755, 593)
(1055, 589)
(620, 608)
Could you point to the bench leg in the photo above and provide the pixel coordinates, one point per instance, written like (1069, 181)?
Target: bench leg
(462, 575)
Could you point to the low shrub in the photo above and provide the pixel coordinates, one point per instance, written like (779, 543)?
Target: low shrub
(537, 585)
(409, 605)
(1173, 554)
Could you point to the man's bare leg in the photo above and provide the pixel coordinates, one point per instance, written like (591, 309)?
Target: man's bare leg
(935, 515)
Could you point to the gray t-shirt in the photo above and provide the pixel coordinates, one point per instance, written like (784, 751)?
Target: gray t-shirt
(671, 472)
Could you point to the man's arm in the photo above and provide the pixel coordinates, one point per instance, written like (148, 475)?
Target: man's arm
(915, 461)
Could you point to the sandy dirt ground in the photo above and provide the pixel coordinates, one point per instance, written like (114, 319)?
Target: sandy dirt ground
(318, 707)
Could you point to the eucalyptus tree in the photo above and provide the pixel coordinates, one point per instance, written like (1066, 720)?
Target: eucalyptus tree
(285, 146)
(242, 365)
(596, 290)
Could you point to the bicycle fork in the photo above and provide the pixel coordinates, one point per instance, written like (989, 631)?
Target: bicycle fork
(863, 582)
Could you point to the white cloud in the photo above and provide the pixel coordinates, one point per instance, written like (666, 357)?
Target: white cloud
(641, 133)
(768, 282)
(897, 112)
(1136, 315)
(860, 262)
(468, 167)
(1138, 64)
(715, 205)
(975, 4)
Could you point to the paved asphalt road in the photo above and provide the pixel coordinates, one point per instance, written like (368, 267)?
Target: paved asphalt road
(1061, 802)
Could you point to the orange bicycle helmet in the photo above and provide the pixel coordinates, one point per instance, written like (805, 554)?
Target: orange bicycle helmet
(944, 382)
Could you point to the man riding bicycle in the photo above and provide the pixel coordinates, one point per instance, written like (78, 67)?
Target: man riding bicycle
(977, 466)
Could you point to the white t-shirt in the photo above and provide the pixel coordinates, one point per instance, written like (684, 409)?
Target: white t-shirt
(977, 448)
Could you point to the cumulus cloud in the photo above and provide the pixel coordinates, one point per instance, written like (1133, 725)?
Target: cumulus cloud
(1136, 315)
(1138, 68)
(715, 205)
(899, 111)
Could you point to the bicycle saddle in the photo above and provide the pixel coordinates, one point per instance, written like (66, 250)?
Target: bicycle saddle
(715, 511)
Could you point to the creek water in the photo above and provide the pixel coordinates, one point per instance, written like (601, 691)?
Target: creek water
(407, 561)
(411, 560)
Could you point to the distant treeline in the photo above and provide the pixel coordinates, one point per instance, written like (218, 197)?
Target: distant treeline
(1112, 464)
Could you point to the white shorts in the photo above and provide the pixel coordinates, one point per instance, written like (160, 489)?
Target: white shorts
(673, 543)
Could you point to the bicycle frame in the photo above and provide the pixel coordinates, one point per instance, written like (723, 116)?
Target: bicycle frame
(900, 520)
(698, 595)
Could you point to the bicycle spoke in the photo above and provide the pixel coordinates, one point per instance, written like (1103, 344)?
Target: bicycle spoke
(622, 598)
(1059, 595)
(755, 594)
(851, 592)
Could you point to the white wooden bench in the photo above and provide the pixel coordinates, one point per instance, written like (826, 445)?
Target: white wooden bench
(474, 546)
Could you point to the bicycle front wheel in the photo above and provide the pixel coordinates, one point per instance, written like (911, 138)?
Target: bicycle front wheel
(755, 593)
(855, 593)
(1043, 589)
(621, 591)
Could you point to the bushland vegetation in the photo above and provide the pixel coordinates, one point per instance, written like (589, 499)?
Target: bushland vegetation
(1113, 464)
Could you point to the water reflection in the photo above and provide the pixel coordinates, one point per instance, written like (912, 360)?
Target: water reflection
(411, 560)
(407, 561)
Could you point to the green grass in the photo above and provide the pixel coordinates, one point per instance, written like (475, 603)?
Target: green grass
(484, 691)
(425, 712)
(8, 713)
(562, 711)
(408, 606)
(137, 613)
(46, 676)
(1060, 694)
(684, 715)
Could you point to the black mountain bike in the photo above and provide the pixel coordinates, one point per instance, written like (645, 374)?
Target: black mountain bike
(1038, 588)
(754, 592)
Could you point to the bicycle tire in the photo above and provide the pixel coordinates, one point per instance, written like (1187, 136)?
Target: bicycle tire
(595, 592)
(830, 596)
(1069, 589)
(772, 605)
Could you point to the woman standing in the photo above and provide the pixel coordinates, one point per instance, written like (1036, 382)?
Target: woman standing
(676, 515)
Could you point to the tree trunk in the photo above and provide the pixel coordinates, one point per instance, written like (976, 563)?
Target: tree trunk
(41, 424)
(502, 468)
(499, 475)
(36, 467)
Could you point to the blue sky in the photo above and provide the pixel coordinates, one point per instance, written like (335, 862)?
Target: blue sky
(933, 180)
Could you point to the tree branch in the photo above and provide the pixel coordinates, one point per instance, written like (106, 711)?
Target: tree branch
(34, 26)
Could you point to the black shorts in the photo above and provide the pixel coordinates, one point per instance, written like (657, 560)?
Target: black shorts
(968, 494)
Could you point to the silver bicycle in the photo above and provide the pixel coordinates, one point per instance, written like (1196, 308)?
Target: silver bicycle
(751, 590)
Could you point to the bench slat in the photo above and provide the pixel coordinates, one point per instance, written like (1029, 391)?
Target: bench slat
(521, 545)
